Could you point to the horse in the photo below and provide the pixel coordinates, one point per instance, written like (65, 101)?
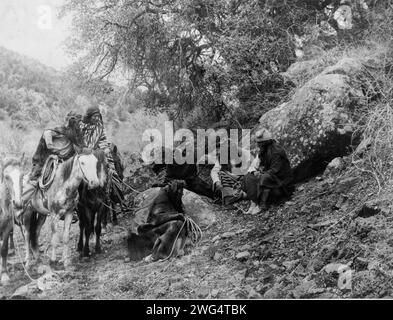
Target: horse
(60, 199)
(91, 205)
(11, 174)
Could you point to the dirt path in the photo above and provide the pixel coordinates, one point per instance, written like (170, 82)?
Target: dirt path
(280, 254)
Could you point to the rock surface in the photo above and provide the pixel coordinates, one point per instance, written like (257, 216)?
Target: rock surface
(316, 125)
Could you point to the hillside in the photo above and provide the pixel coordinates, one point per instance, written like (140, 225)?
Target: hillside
(324, 90)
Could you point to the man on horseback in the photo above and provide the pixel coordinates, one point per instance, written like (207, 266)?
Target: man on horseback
(63, 141)
(94, 137)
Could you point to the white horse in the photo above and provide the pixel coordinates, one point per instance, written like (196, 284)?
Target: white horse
(11, 174)
(60, 200)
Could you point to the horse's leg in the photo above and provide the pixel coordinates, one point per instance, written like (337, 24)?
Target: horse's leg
(104, 220)
(12, 244)
(5, 279)
(35, 244)
(98, 229)
(66, 239)
(54, 239)
(81, 229)
(28, 224)
(114, 215)
(88, 223)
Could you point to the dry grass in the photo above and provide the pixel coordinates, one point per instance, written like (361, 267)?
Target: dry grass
(375, 153)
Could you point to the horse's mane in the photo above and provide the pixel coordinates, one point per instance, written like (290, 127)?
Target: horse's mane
(10, 162)
(69, 164)
(67, 168)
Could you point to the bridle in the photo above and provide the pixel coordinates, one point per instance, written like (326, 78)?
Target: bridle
(80, 167)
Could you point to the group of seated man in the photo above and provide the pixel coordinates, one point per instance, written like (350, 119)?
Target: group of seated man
(268, 178)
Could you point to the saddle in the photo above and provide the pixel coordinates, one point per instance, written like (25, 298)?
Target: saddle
(36, 193)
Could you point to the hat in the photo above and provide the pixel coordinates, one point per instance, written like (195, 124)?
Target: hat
(72, 115)
(263, 135)
(90, 112)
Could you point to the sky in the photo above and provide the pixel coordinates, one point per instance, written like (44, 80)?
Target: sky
(32, 27)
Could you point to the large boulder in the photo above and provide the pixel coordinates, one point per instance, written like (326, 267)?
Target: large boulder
(317, 124)
(195, 206)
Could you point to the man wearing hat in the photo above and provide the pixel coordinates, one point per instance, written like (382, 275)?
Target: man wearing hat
(62, 141)
(94, 137)
(271, 173)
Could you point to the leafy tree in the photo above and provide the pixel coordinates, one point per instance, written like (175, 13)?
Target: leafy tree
(193, 55)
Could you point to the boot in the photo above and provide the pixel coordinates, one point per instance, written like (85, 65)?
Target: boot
(254, 208)
(263, 204)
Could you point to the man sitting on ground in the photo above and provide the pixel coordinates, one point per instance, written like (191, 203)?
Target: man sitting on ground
(227, 178)
(269, 174)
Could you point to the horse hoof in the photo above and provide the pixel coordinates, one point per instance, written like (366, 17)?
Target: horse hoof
(5, 279)
(148, 259)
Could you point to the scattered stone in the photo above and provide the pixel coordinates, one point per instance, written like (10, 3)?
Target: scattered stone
(305, 289)
(334, 167)
(241, 231)
(300, 270)
(345, 185)
(217, 256)
(243, 255)
(44, 269)
(360, 264)
(340, 203)
(202, 292)
(216, 238)
(274, 292)
(252, 294)
(369, 209)
(274, 266)
(214, 293)
(227, 235)
(289, 265)
(245, 247)
(323, 224)
(343, 16)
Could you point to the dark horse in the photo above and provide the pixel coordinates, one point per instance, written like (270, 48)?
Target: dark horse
(163, 235)
(91, 205)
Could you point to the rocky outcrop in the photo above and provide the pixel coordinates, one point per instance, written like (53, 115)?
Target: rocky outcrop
(317, 124)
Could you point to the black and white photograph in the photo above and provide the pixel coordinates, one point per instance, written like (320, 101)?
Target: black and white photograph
(214, 152)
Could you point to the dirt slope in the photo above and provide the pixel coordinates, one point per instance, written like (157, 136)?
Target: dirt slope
(324, 243)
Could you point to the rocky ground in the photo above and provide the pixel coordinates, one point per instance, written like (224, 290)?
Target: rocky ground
(333, 239)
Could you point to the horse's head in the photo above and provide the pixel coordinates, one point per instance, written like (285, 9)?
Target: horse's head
(92, 167)
(11, 176)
